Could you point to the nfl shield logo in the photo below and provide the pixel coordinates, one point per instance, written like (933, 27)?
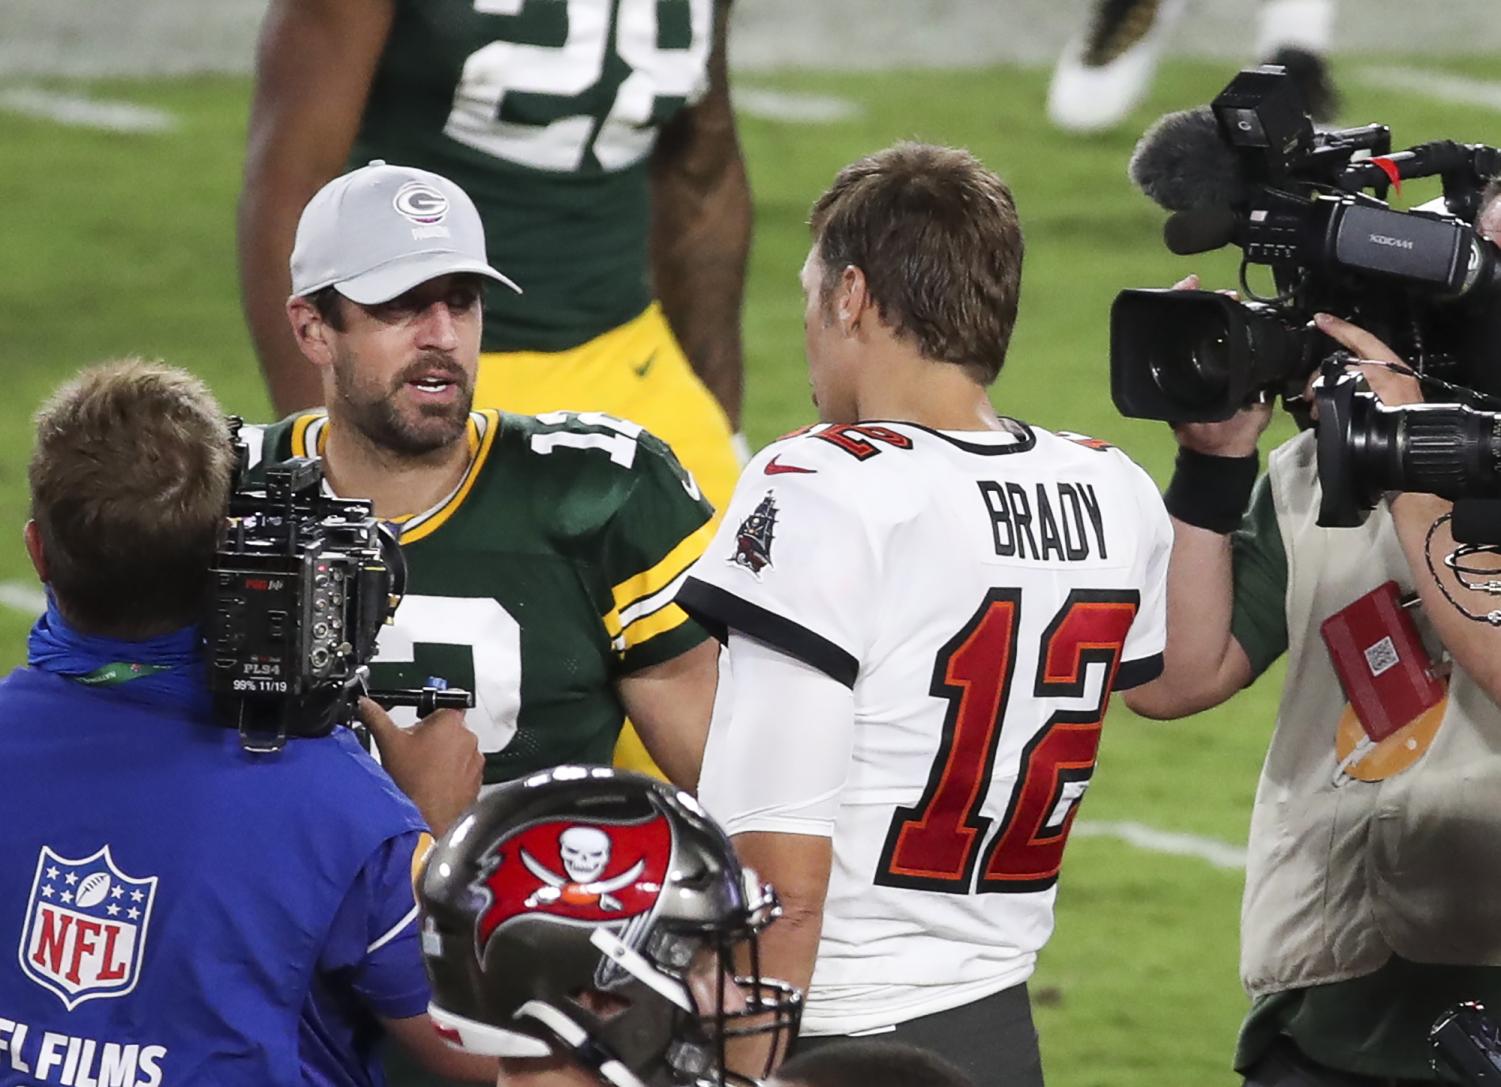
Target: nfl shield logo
(85, 927)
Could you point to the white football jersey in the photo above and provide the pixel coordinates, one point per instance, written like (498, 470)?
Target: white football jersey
(981, 594)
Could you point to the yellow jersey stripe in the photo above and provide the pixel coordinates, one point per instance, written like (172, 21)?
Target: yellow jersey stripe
(483, 426)
(480, 445)
(299, 433)
(638, 587)
(658, 622)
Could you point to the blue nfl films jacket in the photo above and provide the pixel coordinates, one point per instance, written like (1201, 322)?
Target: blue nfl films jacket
(164, 896)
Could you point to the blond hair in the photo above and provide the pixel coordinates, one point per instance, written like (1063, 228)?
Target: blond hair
(129, 485)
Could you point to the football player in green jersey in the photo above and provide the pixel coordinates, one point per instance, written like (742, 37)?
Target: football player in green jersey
(597, 139)
(543, 553)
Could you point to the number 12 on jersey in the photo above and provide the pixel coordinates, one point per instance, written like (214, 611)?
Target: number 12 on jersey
(935, 844)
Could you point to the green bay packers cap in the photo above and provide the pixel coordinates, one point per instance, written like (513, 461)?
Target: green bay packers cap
(377, 232)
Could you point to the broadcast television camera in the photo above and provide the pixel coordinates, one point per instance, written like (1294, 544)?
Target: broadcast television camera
(302, 584)
(1250, 169)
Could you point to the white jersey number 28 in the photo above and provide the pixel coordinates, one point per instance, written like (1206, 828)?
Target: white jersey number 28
(627, 134)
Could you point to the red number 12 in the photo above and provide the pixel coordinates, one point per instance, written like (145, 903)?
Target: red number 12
(934, 844)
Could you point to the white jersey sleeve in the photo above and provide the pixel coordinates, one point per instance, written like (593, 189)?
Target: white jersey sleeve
(793, 565)
(1141, 655)
(748, 782)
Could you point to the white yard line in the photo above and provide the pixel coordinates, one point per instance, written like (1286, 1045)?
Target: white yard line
(21, 597)
(82, 112)
(1455, 89)
(1219, 854)
(809, 109)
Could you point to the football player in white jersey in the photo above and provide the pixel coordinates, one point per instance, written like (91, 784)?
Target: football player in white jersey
(925, 608)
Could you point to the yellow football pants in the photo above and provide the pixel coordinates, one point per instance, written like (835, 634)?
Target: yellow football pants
(637, 372)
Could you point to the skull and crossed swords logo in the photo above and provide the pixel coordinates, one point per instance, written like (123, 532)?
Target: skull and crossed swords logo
(585, 852)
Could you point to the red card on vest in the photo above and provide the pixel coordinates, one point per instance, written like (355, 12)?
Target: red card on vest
(1381, 662)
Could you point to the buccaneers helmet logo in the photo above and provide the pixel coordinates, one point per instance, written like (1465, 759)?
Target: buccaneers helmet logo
(589, 872)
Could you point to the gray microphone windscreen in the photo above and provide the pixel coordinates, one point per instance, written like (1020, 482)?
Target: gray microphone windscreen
(1181, 162)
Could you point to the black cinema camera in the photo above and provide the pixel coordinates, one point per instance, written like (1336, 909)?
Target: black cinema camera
(1250, 169)
(302, 584)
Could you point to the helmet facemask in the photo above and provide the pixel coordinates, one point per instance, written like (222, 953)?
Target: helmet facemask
(738, 1023)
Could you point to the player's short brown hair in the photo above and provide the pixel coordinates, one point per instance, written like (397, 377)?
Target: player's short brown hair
(129, 487)
(936, 234)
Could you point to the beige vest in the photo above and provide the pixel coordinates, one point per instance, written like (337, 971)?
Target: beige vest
(1341, 876)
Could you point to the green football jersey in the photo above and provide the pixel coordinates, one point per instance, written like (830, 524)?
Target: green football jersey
(544, 577)
(545, 112)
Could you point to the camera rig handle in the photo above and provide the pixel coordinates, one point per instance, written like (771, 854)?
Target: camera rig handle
(1466, 1044)
(424, 700)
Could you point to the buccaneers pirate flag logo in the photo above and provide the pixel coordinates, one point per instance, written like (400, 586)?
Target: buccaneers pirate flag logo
(592, 872)
(754, 537)
(85, 929)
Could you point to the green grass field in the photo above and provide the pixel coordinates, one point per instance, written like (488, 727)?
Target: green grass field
(124, 244)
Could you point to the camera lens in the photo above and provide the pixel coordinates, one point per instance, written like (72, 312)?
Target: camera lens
(1194, 356)
(1194, 370)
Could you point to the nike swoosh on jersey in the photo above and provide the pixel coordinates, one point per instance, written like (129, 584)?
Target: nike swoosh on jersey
(774, 469)
(645, 366)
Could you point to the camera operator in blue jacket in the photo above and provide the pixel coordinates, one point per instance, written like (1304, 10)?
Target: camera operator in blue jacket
(185, 911)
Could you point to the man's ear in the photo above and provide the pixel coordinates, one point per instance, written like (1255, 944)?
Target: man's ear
(852, 298)
(34, 549)
(311, 332)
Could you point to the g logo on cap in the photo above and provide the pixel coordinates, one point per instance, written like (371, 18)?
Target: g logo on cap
(420, 202)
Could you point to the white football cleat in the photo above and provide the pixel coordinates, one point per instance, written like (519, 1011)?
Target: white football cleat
(1106, 70)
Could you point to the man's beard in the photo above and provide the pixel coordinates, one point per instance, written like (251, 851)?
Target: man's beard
(376, 415)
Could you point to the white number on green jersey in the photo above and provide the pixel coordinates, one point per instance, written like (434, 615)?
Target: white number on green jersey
(619, 440)
(491, 634)
(627, 135)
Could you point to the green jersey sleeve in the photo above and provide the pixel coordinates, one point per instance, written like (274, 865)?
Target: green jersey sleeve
(1259, 619)
(657, 532)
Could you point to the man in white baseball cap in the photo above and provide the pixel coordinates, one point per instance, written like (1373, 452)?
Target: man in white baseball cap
(387, 277)
(542, 552)
(379, 231)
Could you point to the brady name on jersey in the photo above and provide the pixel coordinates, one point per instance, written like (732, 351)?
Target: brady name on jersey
(980, 594)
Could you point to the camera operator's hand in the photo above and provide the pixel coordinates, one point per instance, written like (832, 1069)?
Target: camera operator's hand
(436, 762)
(1391, 388)
(1233, 437)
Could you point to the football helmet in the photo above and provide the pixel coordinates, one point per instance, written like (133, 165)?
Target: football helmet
(594, 913)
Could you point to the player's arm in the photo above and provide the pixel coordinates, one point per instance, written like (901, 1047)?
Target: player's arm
(701, 229)
(670, 704)
(313, 68)
(774, 774)
(778, 758)
(665, 663)
(790, 585)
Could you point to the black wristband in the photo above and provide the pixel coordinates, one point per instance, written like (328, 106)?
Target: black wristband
(1210, 492)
